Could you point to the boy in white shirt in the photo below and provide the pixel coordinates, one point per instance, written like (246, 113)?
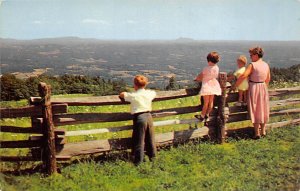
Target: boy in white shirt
(143, 131)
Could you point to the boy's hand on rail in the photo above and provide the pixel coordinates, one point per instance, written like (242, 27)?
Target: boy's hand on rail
(122, 95)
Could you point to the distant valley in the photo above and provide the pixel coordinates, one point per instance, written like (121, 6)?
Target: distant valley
(183, 58)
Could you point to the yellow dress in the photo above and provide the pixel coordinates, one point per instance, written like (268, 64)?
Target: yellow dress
(244, 85)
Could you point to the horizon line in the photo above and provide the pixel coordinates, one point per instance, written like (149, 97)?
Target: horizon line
(175, 39)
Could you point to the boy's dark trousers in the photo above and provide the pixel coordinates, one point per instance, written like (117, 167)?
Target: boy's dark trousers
(143, 137)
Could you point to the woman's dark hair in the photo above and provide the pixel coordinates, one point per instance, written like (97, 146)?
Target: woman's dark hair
(213, 57)
(257, 50)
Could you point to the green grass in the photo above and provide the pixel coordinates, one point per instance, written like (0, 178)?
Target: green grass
(271, 163)
(283, 84)
(13, 104)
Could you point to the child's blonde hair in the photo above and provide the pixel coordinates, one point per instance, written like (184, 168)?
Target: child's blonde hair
(140, 81)
(242, 59)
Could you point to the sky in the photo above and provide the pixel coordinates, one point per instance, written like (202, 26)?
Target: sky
(265, 20)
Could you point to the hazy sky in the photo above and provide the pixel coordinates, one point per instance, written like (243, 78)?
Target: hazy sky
(151, 19)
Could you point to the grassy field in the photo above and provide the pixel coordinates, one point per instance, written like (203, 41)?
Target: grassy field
(271, 163)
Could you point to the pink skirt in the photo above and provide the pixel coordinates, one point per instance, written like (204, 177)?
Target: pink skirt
(211, 87)
(258, 102)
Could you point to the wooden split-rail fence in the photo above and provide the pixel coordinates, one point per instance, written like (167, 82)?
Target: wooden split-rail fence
(48, 141)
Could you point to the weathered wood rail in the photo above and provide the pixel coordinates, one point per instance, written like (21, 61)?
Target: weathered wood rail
(48, 143)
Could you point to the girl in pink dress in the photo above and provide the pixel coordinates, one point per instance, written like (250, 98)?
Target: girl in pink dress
(258, 96)
(210, 85)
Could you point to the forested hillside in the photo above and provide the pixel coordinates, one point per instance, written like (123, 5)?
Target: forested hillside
(13, 88)
(286, 74)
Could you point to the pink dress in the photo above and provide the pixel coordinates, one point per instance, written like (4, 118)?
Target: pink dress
(258, 96)
(210, 84)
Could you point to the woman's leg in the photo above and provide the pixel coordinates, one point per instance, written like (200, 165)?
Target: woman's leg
(256, 130)
(263, 129)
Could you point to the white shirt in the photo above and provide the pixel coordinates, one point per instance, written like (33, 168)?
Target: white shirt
(140, 100)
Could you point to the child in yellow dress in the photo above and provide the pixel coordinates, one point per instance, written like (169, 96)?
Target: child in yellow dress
(243, 87)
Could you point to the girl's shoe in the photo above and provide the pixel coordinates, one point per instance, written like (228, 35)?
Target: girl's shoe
(200, 118)
(206, 118)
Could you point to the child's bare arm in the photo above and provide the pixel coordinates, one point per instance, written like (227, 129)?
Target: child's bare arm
(199, 77)
(243, 76)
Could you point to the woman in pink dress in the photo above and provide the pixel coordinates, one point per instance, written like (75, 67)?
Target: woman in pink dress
(210, 84)
(258, 96)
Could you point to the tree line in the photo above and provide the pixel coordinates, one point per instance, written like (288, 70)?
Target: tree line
(291, 74)
(13, 88)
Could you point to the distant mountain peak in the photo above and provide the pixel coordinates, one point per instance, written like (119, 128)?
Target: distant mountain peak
(184, 39)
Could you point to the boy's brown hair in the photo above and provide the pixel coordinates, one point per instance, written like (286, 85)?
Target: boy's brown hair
(140, 81)
(242, 59)
(213, 57)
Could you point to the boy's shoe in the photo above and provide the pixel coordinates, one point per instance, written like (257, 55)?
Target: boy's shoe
(239, 104)
(200, 118)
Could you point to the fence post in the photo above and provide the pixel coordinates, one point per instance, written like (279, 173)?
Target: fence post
(221, 119)
(36, 122)
(48, 126)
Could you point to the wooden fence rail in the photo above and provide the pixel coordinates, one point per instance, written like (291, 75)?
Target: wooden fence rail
(31, 111)
(48, 143)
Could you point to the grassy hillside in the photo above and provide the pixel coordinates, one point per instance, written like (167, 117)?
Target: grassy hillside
(271, 163)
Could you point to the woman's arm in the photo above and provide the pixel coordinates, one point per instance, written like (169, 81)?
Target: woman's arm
(243, 76)
(199, 77)
(267, 81)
